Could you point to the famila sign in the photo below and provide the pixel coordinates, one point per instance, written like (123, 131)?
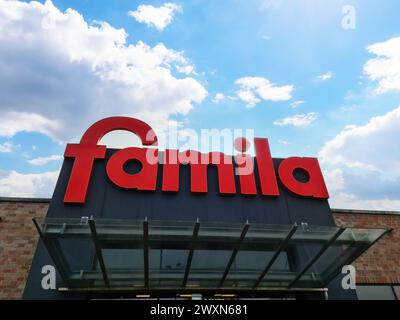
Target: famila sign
(249, 170)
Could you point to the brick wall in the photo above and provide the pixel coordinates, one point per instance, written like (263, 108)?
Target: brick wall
(380, 264)
(18, 239)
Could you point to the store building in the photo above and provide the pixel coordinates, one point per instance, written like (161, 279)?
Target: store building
(120, 225)
(378, 272)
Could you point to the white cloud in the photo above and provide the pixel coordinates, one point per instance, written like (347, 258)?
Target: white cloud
(254, 89)
(8, 147)
(284, 142)
(365, 195)
(385, 68)
(187, 69)
(364, 164)
(58, 74)
(334, 180)
(299, 120)
(12, 122)
(248, 97)
(343, 200)
(326, 76)
(158, 17)
(270, 4)
(15, 184)
(219, 97)
(296, 104)
(372, 146)
(40, 161)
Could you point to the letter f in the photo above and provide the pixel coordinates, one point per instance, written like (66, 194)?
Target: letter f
(84, 156)
(88, 150)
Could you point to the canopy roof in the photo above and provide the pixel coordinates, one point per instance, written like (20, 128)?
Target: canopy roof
(151, 255)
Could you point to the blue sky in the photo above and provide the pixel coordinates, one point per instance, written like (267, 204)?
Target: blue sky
(287, 69)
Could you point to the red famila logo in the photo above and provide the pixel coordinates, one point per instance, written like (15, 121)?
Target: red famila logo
(88, 151)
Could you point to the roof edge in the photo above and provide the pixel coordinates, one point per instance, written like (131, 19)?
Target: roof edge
(20, 199)
(372, 212)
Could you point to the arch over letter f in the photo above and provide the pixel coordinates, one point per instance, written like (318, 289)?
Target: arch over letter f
(87, 151)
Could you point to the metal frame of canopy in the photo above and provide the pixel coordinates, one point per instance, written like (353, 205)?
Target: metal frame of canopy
(324, 251)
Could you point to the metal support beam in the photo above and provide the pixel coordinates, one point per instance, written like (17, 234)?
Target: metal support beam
(190, 254)
(57, 257)
(146, 252)
(171, 291)
(281, 247)
(317, 256)
(97, 248)
(234, 253)
(349, 258)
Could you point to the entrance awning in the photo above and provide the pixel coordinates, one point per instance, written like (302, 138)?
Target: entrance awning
(174, 255)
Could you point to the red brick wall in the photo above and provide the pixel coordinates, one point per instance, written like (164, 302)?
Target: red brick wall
(380, 264)
(18, 239)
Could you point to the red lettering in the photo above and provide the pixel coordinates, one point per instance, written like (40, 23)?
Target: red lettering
(170, 180)
(265, 165)
(145, 179)
(99, 129)
(84, 156)
(245, 171)
(314, 187)
(198, 171)
(87, 152)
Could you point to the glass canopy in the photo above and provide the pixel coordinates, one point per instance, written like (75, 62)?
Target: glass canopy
(141, 254)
